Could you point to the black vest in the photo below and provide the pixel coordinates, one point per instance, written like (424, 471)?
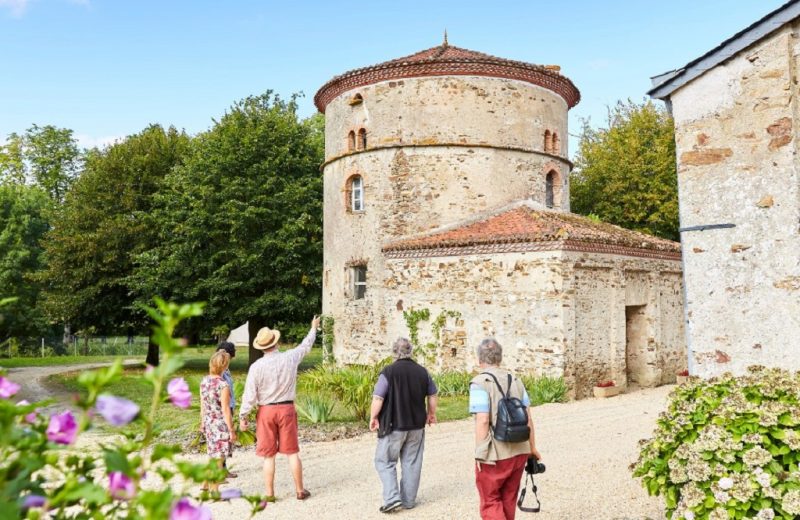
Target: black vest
(404, 405)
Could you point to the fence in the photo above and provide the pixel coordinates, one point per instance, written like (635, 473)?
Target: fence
(74, 346)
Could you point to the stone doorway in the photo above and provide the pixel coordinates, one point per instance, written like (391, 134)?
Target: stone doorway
(636, 344)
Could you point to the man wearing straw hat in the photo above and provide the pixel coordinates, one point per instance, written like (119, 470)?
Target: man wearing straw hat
(271, 386)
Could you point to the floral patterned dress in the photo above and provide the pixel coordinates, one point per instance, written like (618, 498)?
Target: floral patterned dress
(218, 438)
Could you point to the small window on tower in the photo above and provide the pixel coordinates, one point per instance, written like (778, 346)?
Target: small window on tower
(356, 189)
(362, 139)
(556, 149)
(549, 197)
(548, 141)
(356, 100)
(359, 281)
(351, 141)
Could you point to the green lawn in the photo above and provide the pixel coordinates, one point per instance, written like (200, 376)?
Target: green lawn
(183, 423)
(59, 360)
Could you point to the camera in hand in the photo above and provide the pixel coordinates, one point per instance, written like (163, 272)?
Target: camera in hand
(533, 466)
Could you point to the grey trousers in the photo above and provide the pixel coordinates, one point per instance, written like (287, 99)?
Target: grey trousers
(407, 447)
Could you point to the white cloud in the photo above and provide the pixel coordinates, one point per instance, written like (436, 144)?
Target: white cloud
(15, 7)
(88, 141)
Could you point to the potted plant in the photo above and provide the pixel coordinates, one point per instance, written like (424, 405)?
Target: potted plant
(606, 389)
(682, 376)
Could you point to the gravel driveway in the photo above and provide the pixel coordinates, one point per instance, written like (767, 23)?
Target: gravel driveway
(587, 446)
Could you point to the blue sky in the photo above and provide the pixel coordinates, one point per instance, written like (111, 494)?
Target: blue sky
(108, 68)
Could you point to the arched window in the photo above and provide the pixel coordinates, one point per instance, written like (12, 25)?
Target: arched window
(355, 191)
(556, 148)
(549, 189)
(356, 100)
(351, 141)
(548, 141)
(362, 139)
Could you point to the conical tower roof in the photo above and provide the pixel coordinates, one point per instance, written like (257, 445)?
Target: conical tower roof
(449, 60)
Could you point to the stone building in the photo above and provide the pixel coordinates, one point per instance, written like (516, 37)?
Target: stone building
(735, 110)
(447, 193)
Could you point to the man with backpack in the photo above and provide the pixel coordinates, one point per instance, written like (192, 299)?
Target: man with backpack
(504, 436)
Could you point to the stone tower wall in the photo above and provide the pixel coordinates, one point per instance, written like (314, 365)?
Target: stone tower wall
(439, 150)
(737, 164)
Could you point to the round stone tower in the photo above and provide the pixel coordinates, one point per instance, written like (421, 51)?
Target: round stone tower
(419, 143)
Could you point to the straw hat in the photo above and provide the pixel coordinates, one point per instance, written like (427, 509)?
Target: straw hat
(266, 338)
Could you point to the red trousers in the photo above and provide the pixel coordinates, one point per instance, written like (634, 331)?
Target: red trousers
(498, 486)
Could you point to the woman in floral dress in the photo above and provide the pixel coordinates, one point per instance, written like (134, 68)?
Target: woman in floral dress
(215, 412)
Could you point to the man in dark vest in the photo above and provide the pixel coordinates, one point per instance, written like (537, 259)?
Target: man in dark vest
(399, 415)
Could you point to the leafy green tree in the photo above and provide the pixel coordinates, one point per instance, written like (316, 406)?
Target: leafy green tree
(23, 222)
(626, 173)
(241, 221)
(46, 156)
(102, 225)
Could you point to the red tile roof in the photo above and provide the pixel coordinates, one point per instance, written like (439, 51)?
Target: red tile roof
(447, 60)
(527, 225)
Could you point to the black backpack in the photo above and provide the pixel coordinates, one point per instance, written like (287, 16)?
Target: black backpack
(512, 416)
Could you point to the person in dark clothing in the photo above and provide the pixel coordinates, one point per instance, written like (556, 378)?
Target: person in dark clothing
(399, 416)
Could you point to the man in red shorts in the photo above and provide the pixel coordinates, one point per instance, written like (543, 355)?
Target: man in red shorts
(271, 385)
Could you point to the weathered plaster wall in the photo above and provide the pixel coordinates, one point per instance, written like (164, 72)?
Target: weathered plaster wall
(600, 287)
(555, 313)
(515, 297)
(439, 150)
(448, 109)
(737, 164)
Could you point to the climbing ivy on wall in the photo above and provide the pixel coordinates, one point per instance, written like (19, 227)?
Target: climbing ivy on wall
(412, 317)
(327, 339)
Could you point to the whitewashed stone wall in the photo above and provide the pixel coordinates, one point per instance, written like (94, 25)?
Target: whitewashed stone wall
(737, 164)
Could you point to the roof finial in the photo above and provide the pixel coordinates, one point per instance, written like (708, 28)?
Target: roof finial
(444, 44)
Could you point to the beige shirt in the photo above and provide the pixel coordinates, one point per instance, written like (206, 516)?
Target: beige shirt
(490, 450)
(273, 378)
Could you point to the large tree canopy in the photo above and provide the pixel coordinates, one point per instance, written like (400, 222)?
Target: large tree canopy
(45, 156)
(23, 222)
(241, 220)
(626, 173)
(102, 225)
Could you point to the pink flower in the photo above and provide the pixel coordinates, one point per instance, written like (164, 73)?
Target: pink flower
(8, 387)
(31, 417)
(179, 394)
(121, 486)
(62, 428)
(185, 510)
(116, 410)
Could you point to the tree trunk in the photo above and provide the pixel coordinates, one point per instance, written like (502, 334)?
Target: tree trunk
(152, 353)
(252, 329)
(67, 338)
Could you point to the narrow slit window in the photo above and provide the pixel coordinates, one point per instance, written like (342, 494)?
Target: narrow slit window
(359, 282)
(357, 193)
(549, 197)
(548, 141)
(351, 141)
(362, 139)
(556, 147)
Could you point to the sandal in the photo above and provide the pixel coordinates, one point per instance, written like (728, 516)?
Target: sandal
(303, 495)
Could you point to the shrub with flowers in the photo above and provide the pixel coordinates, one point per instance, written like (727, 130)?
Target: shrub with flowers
(43, 474)
(728, 447)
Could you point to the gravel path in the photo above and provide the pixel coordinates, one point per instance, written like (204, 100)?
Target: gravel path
(587, 446)
(35, 387)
